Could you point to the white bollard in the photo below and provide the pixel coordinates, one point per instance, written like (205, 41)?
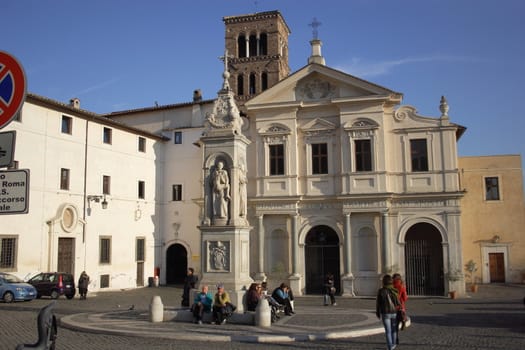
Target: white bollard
(263, 314)
(156, 310)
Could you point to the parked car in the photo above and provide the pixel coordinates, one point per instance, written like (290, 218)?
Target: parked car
(54, 284)
(13, 288)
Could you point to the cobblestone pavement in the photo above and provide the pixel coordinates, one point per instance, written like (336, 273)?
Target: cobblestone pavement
(493, 318)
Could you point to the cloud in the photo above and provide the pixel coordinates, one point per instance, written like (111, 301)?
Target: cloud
(97, 87)
(358, 67)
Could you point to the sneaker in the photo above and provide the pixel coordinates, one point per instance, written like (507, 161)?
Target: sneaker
(334, 304)
(200, 322)
(223, 321)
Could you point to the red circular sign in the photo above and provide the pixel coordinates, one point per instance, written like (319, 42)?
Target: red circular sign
(12, 88)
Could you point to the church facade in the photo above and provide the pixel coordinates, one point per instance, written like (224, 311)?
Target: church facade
(341, 178)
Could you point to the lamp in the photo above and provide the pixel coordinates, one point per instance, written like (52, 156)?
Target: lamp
(96, 199)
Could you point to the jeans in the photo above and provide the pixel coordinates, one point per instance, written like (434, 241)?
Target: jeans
(390, 324)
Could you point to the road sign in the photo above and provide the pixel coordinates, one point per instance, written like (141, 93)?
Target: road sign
(7, 147)
(12, 88)
(14, 191)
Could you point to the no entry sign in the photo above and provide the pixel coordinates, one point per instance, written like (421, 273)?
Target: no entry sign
(12, 88)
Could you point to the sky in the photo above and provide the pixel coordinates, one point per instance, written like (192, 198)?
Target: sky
(125, 54)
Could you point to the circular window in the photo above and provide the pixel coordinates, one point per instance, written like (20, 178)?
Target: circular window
(69, 218)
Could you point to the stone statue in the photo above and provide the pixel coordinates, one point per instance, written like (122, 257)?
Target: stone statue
(221, 191)
(243, 180)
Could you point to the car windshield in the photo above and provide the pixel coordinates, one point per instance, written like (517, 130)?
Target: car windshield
(12, 279)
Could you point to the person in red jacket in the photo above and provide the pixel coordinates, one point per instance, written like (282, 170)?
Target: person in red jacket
(402, 294)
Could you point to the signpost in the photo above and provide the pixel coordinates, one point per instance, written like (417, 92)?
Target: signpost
(12, 88)
(14, 191)
(7, 142)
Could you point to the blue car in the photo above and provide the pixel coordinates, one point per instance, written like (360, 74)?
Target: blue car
(13, 288)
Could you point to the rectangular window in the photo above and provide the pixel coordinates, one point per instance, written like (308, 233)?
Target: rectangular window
(177, 137)
(64, 179)
(276, 159)
(106, 184)
(107, 135)
(142, 189)
(140, 254)
(7, 253)
(142, 144)
(177, 193)
(363, 155)
(319, 158)
(492, 189)
(105, 250)
(418, 154)
(67, 125)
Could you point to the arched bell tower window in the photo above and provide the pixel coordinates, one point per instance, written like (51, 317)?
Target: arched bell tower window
(263, 44)
(241, 46)
(252, 83)
(240, 85)
(253, 45)
(264, 81)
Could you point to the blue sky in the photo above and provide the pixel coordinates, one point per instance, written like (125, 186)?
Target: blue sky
(126, 54)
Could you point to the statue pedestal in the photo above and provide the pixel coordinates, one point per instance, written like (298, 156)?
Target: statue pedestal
(226, 260)
(347, 282)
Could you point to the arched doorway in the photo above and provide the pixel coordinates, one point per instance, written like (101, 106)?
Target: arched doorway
(424, 260)
(176, 264)
(321, 257)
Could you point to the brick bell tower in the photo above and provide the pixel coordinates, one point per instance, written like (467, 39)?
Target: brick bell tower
(258, 48)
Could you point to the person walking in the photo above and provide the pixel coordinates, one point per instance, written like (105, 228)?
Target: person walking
(329, 290)
(387, 303)
(403, 297)
(83, 282)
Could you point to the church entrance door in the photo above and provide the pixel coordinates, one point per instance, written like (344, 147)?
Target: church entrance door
(424, 261)
(176, 264)
(321, 258)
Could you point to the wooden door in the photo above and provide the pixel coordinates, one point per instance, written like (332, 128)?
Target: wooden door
(66, 255)
(497, 267)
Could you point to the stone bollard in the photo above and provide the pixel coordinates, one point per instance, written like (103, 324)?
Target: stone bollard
(263, 314)
(156, 310)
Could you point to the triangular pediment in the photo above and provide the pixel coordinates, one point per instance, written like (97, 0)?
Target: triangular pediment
(318, 124)
(318, 83)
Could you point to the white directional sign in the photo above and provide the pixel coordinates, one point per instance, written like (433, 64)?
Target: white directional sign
(7, 147)
(14, 191)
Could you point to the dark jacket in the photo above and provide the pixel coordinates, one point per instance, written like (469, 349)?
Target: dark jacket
(387, 301)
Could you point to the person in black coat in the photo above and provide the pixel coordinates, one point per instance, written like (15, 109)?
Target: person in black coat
(189, 283)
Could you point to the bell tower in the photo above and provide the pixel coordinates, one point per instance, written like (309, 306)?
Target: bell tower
(258, 45)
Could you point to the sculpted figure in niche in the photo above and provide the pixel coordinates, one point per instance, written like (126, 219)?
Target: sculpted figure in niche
(243, 180)
(221, 191)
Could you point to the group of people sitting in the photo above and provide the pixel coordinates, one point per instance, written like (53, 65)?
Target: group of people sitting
(280, 301)
(221, 307)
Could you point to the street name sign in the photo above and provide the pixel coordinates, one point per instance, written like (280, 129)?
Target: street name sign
(14, 191)
(7, 147)
(12, 88)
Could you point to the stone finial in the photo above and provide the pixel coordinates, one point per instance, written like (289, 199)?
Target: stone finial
(443, 107)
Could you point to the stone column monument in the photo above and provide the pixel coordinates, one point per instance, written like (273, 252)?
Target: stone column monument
(224, 226)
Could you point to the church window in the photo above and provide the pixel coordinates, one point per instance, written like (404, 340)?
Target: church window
(419, 155)
(176, 195)
(64, 179)
(240, 85)
(252, 84)
(253, 45)
(263, 44)
(241, 46)
(319, 158)
(363, 155)
(177, 137)
(276, 159)
(492, 189)
(141, 189)
(264, 81)
(142, 144)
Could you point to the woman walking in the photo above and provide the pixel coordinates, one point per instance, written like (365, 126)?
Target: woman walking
(387, 304)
